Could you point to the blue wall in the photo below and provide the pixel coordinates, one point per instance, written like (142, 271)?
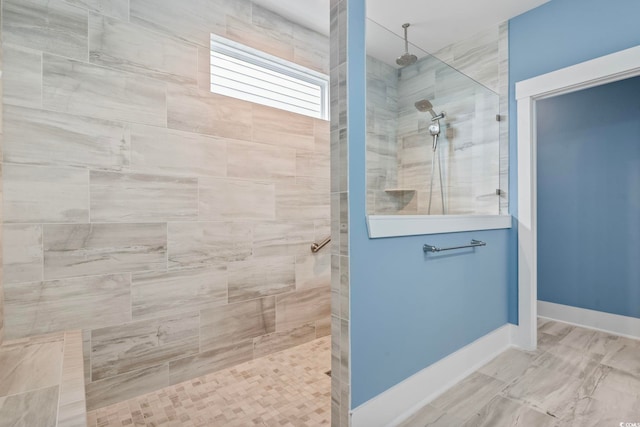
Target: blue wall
(407, 310)
(553, 36)
(589, 198)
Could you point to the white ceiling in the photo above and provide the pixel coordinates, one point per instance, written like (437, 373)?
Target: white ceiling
(434, 24)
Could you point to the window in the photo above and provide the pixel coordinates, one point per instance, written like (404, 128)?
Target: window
(249, 74)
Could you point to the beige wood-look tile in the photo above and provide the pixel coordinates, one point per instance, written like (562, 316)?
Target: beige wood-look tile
(201, 244)
(34, 408)
(250, 160)
(301, 307)
(166, 151)
(313, 164)
(90, 249)
(282, 238)
(46, 25)
(124, 197)
(260, 277)
(323, 327)
(311, 49)
(113, 8)
(282, 128)
(234, 323)
(43, 307)
(87, 89)
(30, 366)
(322, 136)
(126, 386)
(22, 253)
(40, 137)
(210, 361)
(45, 194)
(128, 47)
(200, 111)
(158, 294)
(224, 199)
(313, 270)
(278, 341)
(266, 35)
(132, 346)
(72, 410)
(22, 76)
(308, 198)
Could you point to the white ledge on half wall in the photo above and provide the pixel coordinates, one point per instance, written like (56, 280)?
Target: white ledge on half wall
(415, 225)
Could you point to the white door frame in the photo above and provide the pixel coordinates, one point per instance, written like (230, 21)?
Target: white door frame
(596, 72)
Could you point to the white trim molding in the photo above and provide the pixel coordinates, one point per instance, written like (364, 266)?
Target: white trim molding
(402, 400)
(607, 69)
(612, 323)
(414, 225)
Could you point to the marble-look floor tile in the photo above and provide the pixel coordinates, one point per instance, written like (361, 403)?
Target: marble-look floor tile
(22, 253)
(46, 25)
(626, 357)
(557, 329)
(503, 412)
(201, 244)
(166, 151)
(138, 345)
(260, 277)
(90, 249)
(45, 194)
(126, 386)
(569, 361)
(304, 306)
(87, 89)
(128, 47)
(234, 323)
(113, 8)
(210, 361)
(22, 76)
(30, 367)
(430, 416)
(224, 199)
(158, 294)
(40, 137)
(34, 408)
(120, 197)
(278, 341)
(467, 397)
(89, 302)
(509, 365)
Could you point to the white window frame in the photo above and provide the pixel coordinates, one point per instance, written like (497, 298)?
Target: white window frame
(270, 63)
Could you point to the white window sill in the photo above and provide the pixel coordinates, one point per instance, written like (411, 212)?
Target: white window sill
(415, 225)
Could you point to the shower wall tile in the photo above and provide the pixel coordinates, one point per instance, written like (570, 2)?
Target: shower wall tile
(236, 323)
(278, 341)
(194, 110)
(42, 307)
(129, 47)
(39, 137)
(260, 277)
(21, 76)
(122, 387)
(300, 307)
(249, 160)
(282, 238)
(323, 327)
(22, 253)
(158, 294)
(313, 164)
(307, 198)
(282, 128)
(314, 269)
(91, 249)
(223, 199)
(113, 8)
(204, 68)
(200, 244)
(165, 151)
(322, 136)
(310, 49)
(45, 194)
(209, 361)
(120, 197)
(85, 89)
(46, 25)
(279, 30)
(124, 348)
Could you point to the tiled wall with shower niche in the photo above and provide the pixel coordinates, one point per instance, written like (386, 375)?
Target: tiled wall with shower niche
(171, 224)
(468, 172)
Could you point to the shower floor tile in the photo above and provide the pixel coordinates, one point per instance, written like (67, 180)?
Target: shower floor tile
(285, 389)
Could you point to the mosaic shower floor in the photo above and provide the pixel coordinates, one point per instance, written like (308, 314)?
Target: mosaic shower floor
(285, 389)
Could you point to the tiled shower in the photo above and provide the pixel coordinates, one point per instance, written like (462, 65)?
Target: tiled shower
(172, 225)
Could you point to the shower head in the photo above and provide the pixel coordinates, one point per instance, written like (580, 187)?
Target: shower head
(425, 106)
(406, 58)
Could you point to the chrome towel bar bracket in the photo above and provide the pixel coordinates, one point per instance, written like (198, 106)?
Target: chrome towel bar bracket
(473, 244)
(315, 247)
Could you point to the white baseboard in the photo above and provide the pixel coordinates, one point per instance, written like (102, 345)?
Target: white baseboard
(607, 322)
(399, 402)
